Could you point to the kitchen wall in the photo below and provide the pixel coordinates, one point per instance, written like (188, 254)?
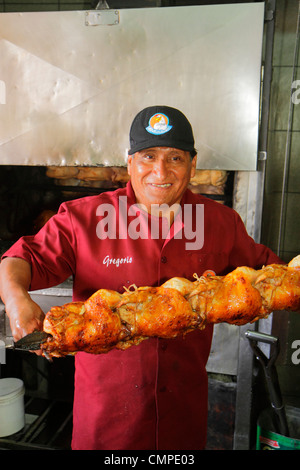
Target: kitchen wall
(281, 213)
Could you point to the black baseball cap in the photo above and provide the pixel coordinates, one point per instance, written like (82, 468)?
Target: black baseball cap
(161, 126)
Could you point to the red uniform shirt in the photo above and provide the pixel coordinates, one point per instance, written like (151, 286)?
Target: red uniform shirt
(151, 396)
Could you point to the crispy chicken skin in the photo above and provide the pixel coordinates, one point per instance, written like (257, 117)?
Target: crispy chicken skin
(110, 320)
(230, 299)
(157, 311)
(90, 326)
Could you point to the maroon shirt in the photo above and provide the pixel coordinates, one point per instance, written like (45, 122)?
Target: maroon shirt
(151, 396)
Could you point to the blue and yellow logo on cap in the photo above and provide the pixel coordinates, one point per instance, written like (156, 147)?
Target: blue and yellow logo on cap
(158, 124)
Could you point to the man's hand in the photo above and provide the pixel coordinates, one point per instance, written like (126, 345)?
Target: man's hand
(24, 314)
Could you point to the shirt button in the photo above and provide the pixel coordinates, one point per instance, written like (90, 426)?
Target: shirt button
(163, 259)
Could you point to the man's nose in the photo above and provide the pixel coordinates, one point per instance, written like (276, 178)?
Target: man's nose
(160, 168)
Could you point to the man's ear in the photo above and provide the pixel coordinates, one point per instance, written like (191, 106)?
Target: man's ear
(129, 160)
(193, 169)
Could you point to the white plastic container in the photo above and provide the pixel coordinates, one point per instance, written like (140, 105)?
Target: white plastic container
(12, 414)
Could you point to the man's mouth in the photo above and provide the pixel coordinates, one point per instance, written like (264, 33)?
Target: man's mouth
(164, 185)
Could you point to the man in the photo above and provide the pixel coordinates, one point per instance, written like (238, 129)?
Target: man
(154, 395)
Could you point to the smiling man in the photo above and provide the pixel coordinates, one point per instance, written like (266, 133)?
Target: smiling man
(152, 396)
(162, 158)
(160, 175)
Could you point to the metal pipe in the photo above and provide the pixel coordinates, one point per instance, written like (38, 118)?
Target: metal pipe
(267, 75)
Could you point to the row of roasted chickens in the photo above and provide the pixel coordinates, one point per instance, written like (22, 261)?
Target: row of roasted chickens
(110, 320)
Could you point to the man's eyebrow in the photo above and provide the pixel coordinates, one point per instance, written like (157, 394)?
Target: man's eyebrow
(146, 151)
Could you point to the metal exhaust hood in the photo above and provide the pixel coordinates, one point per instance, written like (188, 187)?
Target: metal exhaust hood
(71, 82)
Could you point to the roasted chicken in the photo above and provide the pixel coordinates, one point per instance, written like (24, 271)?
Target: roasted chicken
(110, 320)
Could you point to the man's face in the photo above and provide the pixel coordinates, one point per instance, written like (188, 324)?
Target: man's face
(160, 175)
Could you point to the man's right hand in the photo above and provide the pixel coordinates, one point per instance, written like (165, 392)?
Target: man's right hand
(24, 314)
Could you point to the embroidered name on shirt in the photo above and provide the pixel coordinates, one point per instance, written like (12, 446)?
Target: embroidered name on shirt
(107, 261)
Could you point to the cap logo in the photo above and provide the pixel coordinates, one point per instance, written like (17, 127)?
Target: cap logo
(158, 124)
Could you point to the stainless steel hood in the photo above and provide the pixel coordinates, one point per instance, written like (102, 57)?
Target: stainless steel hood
(71, 82)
